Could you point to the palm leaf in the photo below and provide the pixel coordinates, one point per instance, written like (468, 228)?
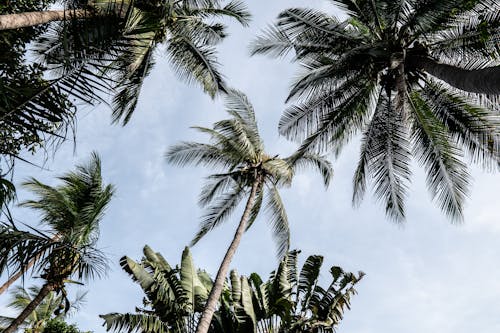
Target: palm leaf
(278, 220)
(447, 176)
(219, 211)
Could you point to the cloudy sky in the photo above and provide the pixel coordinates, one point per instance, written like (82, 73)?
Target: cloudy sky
(427, 275)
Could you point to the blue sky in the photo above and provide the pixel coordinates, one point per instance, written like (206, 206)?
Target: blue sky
(425, 276)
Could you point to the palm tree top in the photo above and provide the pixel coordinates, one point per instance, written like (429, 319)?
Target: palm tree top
(416, 78)
(236, 151)
(77, 205)
(71, 212)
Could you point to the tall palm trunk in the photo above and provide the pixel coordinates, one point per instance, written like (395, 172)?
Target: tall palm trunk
(44, 291)
(481, 81)
(29, 19)
(16, 276)
(208, 312)
(21, 272)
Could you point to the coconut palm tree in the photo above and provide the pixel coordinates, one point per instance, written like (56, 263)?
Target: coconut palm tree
(102, 50)
(73, 210)
(119, 38)
(417, 78)
(51, 307)
(247, 171)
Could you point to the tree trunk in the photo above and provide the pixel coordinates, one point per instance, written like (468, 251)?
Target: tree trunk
(208, 312)
(481, 81)
(46, 289)
(14, 277)
(29, 19)
(30, 264)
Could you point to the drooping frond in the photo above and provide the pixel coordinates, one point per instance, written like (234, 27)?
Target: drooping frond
(307, 160)
(386, 156)
(194, 62)
(474, 128)
(219, 211)
(216, 185)
(129, 83)
(19, 248)
(447, 177)
(301, 120)
(338, 127)
(278, 220)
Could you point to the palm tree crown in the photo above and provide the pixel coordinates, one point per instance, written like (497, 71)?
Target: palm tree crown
(73, 212)
(114, 46)
(102, 51)
(416, 78)
(237, 150)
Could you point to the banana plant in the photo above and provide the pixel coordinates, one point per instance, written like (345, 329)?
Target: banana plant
(290, 301)
(173, 296)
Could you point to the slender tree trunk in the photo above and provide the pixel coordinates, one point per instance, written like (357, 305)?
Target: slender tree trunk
(208, 312)
(481, 81)
(44, 291)
(29, 19)
(30, 264)
(14, 277)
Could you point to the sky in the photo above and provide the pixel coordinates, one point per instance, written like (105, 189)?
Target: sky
(427, 275)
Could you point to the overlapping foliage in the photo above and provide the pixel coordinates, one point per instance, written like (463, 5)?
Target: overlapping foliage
(236, 150)
(416, 78)
(108, 52)
(51, 307)
(290, 301)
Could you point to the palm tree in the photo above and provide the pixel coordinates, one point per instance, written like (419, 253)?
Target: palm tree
(106, 51)
(49, 308)
(73, 211)
(417, 78)
(247, 171)
(127, 33)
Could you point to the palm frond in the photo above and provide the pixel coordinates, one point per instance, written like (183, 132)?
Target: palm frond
(19, 248)
(473, 128)
(234, 9)
(306, 160)
(129, 87)
(278, 220)
(238, 105)
(274, 42)
(219, 211)
(194, 153)
(336, 128)
(216, 185)
(387, 153)
(447, 176)
(195, 63)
